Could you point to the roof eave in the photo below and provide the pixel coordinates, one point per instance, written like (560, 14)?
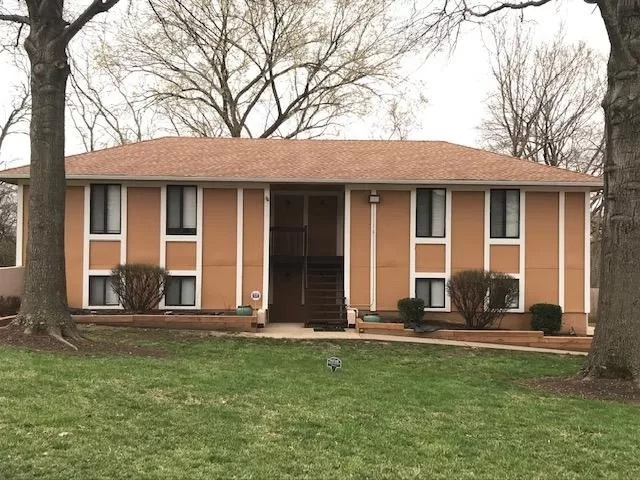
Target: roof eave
(593, 185)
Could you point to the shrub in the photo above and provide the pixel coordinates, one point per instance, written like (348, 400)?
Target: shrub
(139, 286)
(482, 297)
(546, 317)
(9, 305)
(411, 310)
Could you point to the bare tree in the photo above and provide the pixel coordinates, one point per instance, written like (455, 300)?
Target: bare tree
(616, 346)
(264, 68)
(44, 304)
(15, 115)
(105, 106)
(545, 106)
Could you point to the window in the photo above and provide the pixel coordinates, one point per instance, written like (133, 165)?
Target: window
(505, 213)
(181, 210)
(501, 293)
(105, 208)
(181, 291)
(430, 212)
(101, 292)
(431, 290)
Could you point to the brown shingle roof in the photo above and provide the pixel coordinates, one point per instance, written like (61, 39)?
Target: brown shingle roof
(273, 160)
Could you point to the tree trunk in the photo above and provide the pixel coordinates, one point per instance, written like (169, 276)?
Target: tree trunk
(44, 303)
(615, 352)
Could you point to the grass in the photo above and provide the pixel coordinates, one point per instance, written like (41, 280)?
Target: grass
(227, 407)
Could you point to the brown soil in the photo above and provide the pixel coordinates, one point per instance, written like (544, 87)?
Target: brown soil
(87, 346)
(597, 389)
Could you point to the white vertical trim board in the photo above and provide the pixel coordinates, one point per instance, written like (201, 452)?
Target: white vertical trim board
(373, 256)
(265, 247)
(123, 223)
(239, 243)
(347, 244)
(412, 243)
(85, 246)
(199, 246)
(163, 228)
(447, 246)
(561, 242)
(587, 252)
(487, 229)
(19, 224)
(523, 230)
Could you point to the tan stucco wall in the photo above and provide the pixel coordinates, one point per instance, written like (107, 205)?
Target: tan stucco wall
(360, 251)
(143, 225)
(181, 255)
(505, 258)
(541, 248)
(574, 252)
(392, 251)
(430, 258)
(467, 231)
(74, 244)
(253, 243)
(104, 254)
(219, 220)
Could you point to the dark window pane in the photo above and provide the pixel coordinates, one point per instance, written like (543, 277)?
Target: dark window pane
(432, 291)
(172, 296)
(174, 208)
(423, 213)
(505, 293)
(96, 291)
(497, 213)
(98, 202)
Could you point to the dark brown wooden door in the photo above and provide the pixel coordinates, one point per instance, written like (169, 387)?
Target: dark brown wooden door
(323, 225)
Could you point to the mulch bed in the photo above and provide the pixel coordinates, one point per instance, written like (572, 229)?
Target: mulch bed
(595, 389)
(86, 346)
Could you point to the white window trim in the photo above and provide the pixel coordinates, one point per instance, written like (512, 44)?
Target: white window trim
(434, 275)
(98, 273)
(520, 242)
(414, 241)
(101, 237)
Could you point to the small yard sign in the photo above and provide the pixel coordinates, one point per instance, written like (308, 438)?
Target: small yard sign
(256, 295)
(334, 363)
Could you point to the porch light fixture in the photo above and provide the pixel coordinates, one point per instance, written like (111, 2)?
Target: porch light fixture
(374, 198)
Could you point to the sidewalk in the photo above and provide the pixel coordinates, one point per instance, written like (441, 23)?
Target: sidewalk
(297, 331)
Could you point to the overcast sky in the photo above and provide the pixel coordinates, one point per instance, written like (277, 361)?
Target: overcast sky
(456, 84)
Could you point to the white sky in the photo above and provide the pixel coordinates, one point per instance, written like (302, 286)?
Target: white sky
(457, 83)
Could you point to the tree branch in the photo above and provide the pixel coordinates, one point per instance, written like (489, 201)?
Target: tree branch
(96, 7)
(508, 6)
(22, 19)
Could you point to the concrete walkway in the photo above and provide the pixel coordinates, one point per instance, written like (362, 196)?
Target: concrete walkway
(296, 331)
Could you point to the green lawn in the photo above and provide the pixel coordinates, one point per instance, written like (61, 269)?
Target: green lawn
(228, 407)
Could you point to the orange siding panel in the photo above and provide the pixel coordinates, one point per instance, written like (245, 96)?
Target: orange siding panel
(104, 255)
(253, 243)
(360, 248)
(574, 252)
(541, 245)
(393, 243)
(181, 255)
(74, 243)
(430, 258)
(143, 225)
(219, 248)
(467, 231)
(505, 258)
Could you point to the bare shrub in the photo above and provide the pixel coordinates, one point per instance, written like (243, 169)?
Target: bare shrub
(482, 297)
(139, 286)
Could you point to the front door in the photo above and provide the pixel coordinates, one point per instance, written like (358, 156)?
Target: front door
(286, 264)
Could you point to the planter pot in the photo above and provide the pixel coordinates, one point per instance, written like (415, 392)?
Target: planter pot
(244, 311)
(371, 318)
